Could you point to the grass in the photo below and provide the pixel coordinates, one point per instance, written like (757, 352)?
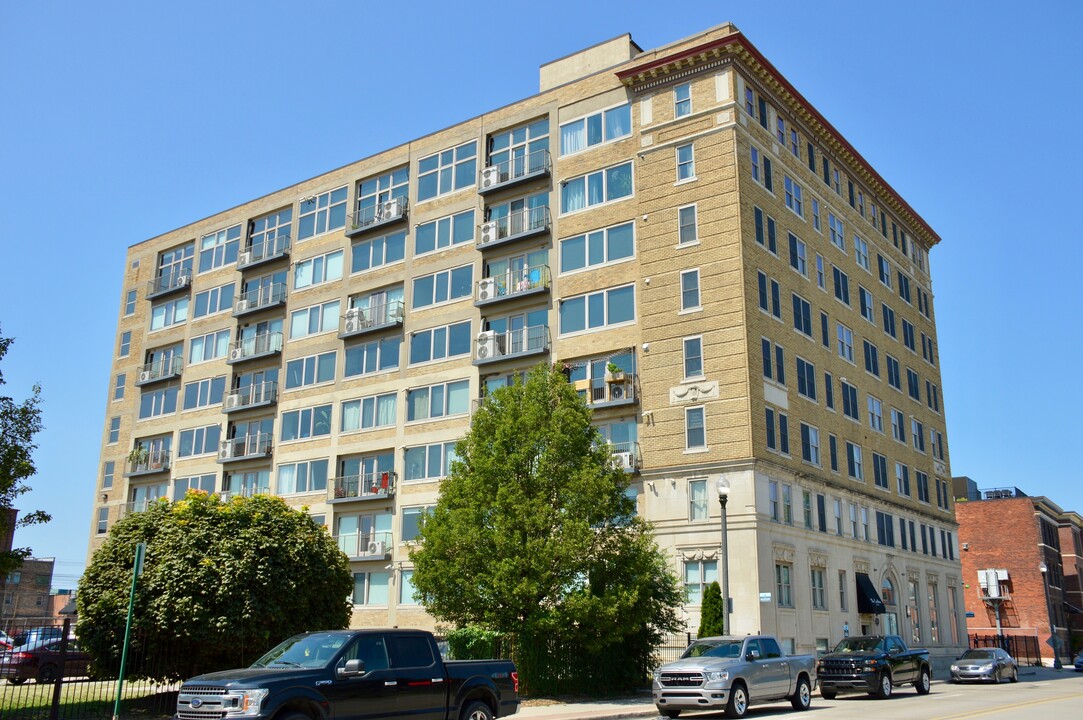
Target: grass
(86, 700)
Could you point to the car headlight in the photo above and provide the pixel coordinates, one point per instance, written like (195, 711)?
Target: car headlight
(717, 675)
(245, 703)
(955, 668)
(657, 675)
(986, 667)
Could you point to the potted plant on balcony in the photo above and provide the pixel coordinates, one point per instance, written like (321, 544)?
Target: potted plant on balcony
(613, 373)
(139, 457)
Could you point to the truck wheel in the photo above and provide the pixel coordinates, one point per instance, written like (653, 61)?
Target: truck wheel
(738, 704)
(924, 683)
(883, 690)
(477, 710)
(828, 693)
(802, 696)
(47, 674)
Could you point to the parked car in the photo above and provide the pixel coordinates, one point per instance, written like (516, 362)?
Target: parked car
(731, 673)
(5, 641)
(985, 664)
(376, 674)
(874, 664)
(34, 635)
(1079, 662)
(41, 661)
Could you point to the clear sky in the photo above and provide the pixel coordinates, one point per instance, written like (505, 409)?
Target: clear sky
(123, 120)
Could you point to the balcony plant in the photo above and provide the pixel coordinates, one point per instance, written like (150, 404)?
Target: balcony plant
(613, 373)
(139, 457)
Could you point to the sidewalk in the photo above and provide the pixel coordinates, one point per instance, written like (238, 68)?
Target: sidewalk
(629, 707)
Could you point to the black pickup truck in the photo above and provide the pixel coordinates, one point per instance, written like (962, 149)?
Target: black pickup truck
(350, 674)
(874, 664)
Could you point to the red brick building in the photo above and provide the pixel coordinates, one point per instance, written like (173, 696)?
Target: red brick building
(1022, 561)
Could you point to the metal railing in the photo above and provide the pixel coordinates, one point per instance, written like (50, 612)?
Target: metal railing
(613, 388)
(490, 346)
(378, 214)
(151, 461)
(519, 223)
(259, 394)
(175, 279)
(374, 317)
(161, 369)
(512, 283)
(365, 544)
(246, 446)
(261, 297)
(627, 454)
(366, 486)
(259, 344)
(516, 168)
(269, 249)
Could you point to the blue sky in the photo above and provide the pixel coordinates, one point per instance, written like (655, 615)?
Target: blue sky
(121, 121)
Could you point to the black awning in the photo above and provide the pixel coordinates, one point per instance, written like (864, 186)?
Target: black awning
(868, 600)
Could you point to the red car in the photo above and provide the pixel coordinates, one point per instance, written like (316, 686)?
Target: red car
(41, 661)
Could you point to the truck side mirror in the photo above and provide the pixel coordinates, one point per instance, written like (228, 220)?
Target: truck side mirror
(753, 654)
(352, 668)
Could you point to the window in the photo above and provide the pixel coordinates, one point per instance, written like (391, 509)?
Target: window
(842, 285)
(765, 230)
(601, 127)
(693, 358)
(411, 521)
(797, 255)
(102, 528)
(310, 370)
(783, 589)
(854, 467)
(780, 130)
(314, 319)
(686, 225)
(306, 423)
(816, 215)
(842, 580)
(879, 470)
(447, 171)
(129, 303)
(682, 100)
(204, 393)
(697, 500)
(108, 472)
(846, 342)
(429, 462)
(698, 574)
(917, 432)
(787, 504)
(169, 313)
(440, 343)
(599, 247)
(772, 498)
(690, 290)
(378, 251)
(861, 252)
(883, 266)
(806, 504)
(520, 149)
(829, 391)
(781, 441)
(889, 319)
(761, 169)
(833, 450)
(927, 352)
(793, 197)
(199, 441)
(821, 281)
(321, 213)
(902, 479)
(876, 414)
(219, 248)
(444, 286)
(118, 386)
(810, 444)
(367, 413)
(200, 483)
(885, 529)
(904, 287)
(924, 306)
(908, 336)
(778, 373)
(372, 357)
(898, 429)
(802, 315)
(208, 347)
(215, 300)
(849, 400)
(913, 384)
(686, 163)
(867, 305)
(866, 535)
(600, 309)
(443, 233)
(125, 348)
(773, 303)
(893, 377)
(825, 334)
(370, 588)
(819, 595)
(695, 432)
(437, 401)
(837, 231)
(795, 147)
(155, 403)
(380, 189)
(596, 188)
(302, 477)
(806, 379)
(872, 358)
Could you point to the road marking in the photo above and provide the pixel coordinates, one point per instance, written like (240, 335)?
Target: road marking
(1003, 708)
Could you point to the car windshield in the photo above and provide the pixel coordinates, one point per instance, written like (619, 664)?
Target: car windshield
(718, 647)
(978, 655)
(859, 644)
(314, 650)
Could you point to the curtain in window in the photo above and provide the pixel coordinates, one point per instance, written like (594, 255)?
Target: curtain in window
(572, 138)
(351, 415)
(385, 410)
(573, 195)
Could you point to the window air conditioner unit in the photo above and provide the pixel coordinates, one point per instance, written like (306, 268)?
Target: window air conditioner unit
(486, 288)
(486, 345)
(224, 453)
(145, 375)
(236, 353)
(233, 401)
(390, 210)
(489, 233)
(183, 280)
(376, 547)
(616, 391)
(245, 258)
(242, 305)
(626, 460)
(490, 176)
(355, 319)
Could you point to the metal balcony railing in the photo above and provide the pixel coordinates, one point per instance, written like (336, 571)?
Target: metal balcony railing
(256, 346)
(627, 455)
(371, 545)
(491, 346)
(619, 388)
(148, 462)
(358, 321)
(382, 213)
(173, 281)
(509, 172)
(266, 251)
(513, 283)
(515, 226)
(245, 447)
(159, 370)
(259, 298)
(245, 492)
(137, 506)
(368, 486)
(258, 395)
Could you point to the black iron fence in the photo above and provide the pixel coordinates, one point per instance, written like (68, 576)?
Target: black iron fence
(1024, 648)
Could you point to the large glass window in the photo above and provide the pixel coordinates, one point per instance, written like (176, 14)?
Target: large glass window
(783, 585)
(322, 213)
(215, 300)
(444, 232)
(378, 251)
(596, 188)
(371, 412)
(208, 347)
(219, 248)
(382, 188)
(693, 357)
(440, 343)
(447, 171)
(372, 357)
(370, 588)
(444, 286)
(271, 232)
(317, 270)
(314, 320)
(155, 403)
(429, 462)
(310, 370)
(698, 574)
(306, 423)
(695, 431)
(601, 127)
(520, 142)
(204, 393)
(437, 401)
(597, 248)
(199, 441)
(697, 500)
(169, 313)
(600, 309)
(302, 477)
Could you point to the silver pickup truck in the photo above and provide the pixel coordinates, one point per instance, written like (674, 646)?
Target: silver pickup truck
(733, 673)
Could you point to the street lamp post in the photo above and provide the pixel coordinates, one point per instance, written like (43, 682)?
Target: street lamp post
(1044, 570)
(723, 497)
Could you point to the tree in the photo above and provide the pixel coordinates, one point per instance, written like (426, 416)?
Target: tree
(534, 536)
(712, 618)
(19, 423)
(222, 582)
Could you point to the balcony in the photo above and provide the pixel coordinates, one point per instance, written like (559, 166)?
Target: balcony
(159, 371)
(380, 215)
(264, 252)
(169, 283)
(147, 462)
(370, 486)
(615, 390)
(138, 506)
(253, 396)
(246, 447)
(361, 321)
(365, 545)
(533, 280)
(627, 456)
(247, 492)
(514, 171)
(518, 225)
(260, 298)
(493, 346)
(257, 346)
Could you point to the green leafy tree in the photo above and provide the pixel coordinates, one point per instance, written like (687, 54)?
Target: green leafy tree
(712, 618)
(223, 581)
(19, 423)
(533, 535)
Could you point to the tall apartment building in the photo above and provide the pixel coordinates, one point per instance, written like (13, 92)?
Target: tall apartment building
(683, 213)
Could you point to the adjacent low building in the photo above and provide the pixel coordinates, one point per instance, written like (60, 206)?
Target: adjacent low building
(737, 293)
